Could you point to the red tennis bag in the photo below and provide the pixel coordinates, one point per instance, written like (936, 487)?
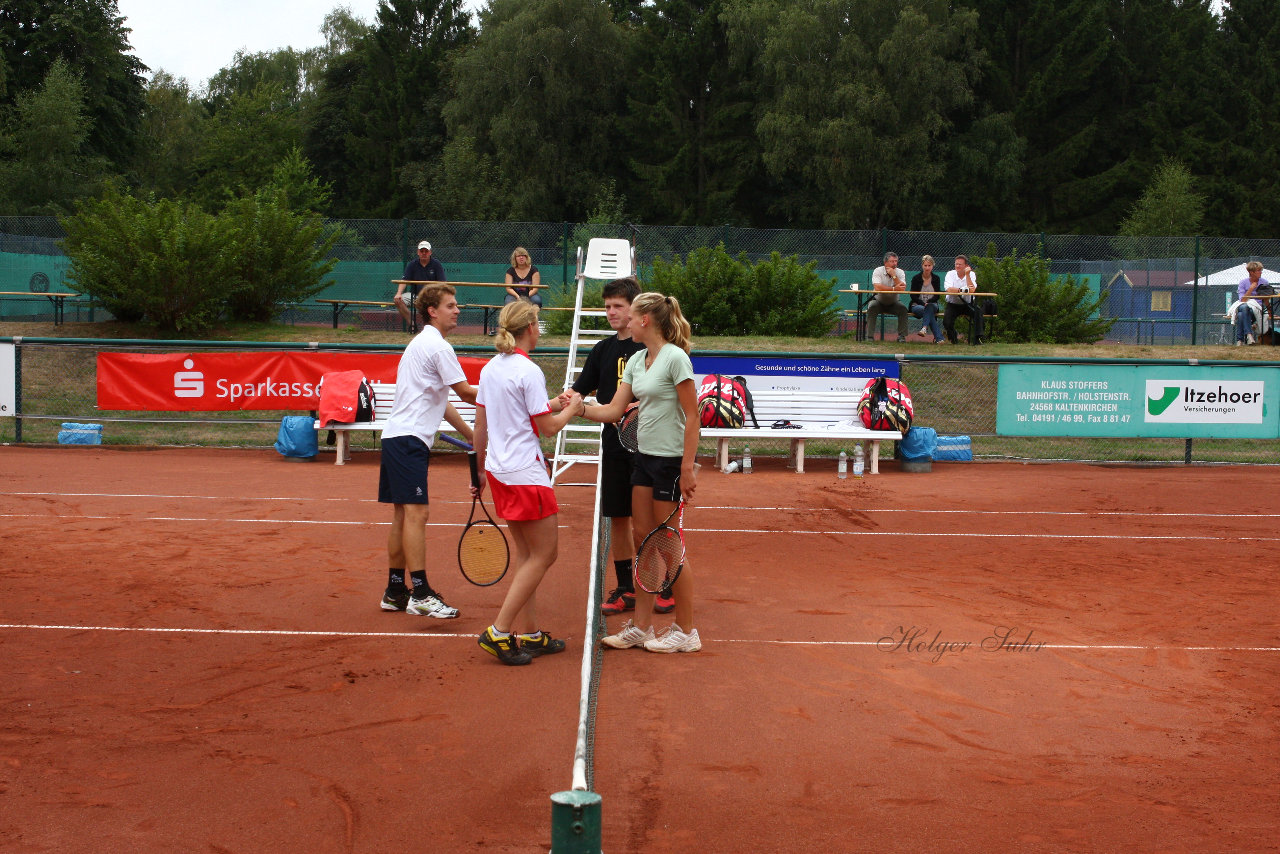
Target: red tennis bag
(346, 397)
(724, 402)
(886, 405)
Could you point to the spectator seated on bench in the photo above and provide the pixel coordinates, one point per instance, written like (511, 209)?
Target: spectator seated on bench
(384, 397)
(822, 415)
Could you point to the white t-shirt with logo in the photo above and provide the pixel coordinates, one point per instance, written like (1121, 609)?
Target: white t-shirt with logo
(513, 392)
(426, 371)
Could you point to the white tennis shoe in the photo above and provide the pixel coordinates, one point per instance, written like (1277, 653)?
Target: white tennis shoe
(630, 635)
(673, 639)
(430, 606)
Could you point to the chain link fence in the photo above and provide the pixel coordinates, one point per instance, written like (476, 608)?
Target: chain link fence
(58, 382)
(1148, 281)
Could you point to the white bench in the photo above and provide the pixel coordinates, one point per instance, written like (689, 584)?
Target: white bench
(821, 415)
(384, 396)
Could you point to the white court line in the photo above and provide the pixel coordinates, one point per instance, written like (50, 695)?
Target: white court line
(161, 496)
(834, 533)
(436, 635)
(911, 510)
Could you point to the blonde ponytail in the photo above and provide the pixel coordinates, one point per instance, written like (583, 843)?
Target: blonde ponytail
(513, 320)
(665, 312)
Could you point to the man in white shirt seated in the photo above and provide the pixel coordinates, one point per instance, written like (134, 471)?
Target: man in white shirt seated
(959, 284)
(887, 281)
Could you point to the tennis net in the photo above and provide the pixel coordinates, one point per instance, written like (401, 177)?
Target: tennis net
(584, 750)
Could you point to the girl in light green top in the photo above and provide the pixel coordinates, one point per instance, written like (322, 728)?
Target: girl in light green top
(661, 378)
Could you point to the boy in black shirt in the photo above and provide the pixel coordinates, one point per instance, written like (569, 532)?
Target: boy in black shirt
(600, 374)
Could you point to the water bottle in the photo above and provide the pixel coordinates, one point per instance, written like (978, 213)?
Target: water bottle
(731, 467)
(746, 461)
(858, 460)
(842, 467)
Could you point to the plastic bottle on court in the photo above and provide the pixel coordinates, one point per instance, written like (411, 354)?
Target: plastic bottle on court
(842, 467)
(746, 461)
(859, 461)
(732, 467)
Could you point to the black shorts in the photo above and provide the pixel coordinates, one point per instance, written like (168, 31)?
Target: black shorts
(661, 473)
(615, 483)
(403, 476)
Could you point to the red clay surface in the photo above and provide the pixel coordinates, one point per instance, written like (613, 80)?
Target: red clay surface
(228, 715)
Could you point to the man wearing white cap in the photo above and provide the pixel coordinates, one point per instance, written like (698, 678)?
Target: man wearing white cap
(424, 268)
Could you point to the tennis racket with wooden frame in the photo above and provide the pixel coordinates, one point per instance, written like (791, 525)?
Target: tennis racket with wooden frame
(483, 554)
(660, 557)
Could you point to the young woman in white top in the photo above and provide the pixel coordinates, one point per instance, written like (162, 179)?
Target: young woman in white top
(661, 378)
(512, 412)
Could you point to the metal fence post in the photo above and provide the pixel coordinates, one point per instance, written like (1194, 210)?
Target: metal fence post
(564, 258)
(17, 389)
(1195, 310)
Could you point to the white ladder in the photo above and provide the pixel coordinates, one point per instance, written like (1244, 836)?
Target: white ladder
(606, 259)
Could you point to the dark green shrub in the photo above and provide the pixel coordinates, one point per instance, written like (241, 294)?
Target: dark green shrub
(721, 295)
(1036, 307)
(171, 264)
(163, 262)
(277, 255)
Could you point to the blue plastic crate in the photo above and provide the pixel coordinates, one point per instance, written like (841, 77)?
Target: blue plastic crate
(953, 449)
(80, 434)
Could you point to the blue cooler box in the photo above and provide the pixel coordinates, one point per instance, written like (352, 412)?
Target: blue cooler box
(953, 449)
(80, 434)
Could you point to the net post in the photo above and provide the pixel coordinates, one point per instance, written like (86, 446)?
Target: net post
(575, 822)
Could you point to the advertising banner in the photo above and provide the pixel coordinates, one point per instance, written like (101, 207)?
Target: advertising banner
(1187, 401)
(768, 373)
(8, 381)
(209, 382)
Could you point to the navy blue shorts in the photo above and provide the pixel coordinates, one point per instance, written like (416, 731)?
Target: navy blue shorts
(661, 473)
(403, 476)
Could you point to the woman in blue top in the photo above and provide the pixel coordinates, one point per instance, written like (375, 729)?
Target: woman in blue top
(661, 378)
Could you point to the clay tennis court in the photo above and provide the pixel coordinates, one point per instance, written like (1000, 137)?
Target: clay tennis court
(987, 657)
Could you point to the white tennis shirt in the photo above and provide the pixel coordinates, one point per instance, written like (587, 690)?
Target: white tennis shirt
(513, 392)
(426, 371)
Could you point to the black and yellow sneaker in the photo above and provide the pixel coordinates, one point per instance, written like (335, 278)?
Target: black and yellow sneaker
(503, 647)
(540, 644)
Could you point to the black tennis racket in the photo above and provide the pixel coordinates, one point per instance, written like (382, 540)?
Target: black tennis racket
(483, 555)
(629, 429)
(661, 556)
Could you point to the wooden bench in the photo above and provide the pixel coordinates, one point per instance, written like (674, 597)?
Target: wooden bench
(858, 315)
(57, 300)
(384, 395)
(831, 415)
(341, 305)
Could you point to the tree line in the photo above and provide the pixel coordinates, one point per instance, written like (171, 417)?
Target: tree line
(1063, 116)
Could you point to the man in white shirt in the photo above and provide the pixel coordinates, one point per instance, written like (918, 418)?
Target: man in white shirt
(427, 370)
(959, 284)
(888, 281)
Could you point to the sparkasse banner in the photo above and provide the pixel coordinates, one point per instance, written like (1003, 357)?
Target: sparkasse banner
(211, 382)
